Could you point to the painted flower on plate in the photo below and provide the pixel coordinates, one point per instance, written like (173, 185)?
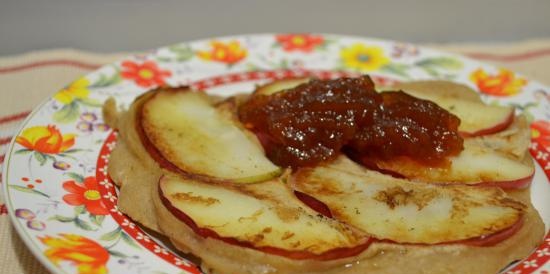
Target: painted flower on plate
(503, 83)
(88, 256)
(25, 214)
(228, 53)
(146, 74)
(299, 42)
(45, 139)
(77, 90)
(364, 58)
(61, 165)
(85, 193)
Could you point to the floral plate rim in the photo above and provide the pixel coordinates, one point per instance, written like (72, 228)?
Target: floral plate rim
(21, 229)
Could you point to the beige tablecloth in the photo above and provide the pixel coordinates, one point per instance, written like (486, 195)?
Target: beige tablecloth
(26, 80)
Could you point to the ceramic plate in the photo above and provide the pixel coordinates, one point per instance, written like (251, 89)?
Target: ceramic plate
(64, 206)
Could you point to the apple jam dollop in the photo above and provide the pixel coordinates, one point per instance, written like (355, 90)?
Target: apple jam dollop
(312, 122)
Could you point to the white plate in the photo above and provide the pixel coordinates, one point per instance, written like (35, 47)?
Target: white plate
(64, 206)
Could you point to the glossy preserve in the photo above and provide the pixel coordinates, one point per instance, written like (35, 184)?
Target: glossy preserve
(312, 122)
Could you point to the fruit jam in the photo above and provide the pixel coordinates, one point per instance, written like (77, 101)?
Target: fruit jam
(312, 122)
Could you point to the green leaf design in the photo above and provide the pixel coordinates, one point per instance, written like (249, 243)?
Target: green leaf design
(75, 176)
(252, 67)
(68, 113)
(29, 190)
(40, 157)
(23, 151)
(90, 102)
(447, 63)
(284, 64)
(112, 235)
(105, 81)
(97, 219)
(79, 209)
(62, 219)
(83, 224)
(129, 240)
(433, 66)
(75, 150)
(49, 157)
(398, 69)
(183, 53)
(116, 253)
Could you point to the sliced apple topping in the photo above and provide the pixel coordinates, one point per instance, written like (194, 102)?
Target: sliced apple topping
(191, 134)
(474, 165)
(438, 88)
(264, 216)
(407, 212)
(477, 118)
(279, 85)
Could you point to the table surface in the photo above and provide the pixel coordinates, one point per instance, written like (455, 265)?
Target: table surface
(28, 79)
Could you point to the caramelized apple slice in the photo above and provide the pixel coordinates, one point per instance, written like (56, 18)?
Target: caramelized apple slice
(476, 117)
(408, 212)
(264, 216)
(279, 85)
(474, 165)
(190, 134)
(438, 88)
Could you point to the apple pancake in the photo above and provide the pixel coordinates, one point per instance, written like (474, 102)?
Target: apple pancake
(255, 224)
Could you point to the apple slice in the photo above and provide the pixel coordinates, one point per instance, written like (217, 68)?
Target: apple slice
(185, 133)
(438, 88)
(265, 216)
(476, 117)
(475, 165)
(407, 212)
(513, 141)
(279, 85)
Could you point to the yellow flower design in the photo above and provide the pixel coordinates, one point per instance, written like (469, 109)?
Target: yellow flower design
(88, 256)
(364, 58)
(76, 90)
(45, 139)
(229, 53)
(504, 83)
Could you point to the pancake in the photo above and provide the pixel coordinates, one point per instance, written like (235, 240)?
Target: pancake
(137, 174)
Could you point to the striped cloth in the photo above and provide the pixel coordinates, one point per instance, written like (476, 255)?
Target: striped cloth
(26, 80)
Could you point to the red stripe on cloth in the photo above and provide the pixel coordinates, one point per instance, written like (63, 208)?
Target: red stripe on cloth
(6, 140)
(14, 117)
(2, 157)
(55, 62)
(509, 57)
(3, 209)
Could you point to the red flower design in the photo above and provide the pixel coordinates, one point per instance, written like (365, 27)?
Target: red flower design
(85, 193)
(229, 53)
(146, 74)
(45, 139)
(540, 133)
(88, 256)
(299, 42)
(503, 83)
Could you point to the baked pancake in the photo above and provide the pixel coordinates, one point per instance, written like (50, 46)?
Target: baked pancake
(335, 217)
